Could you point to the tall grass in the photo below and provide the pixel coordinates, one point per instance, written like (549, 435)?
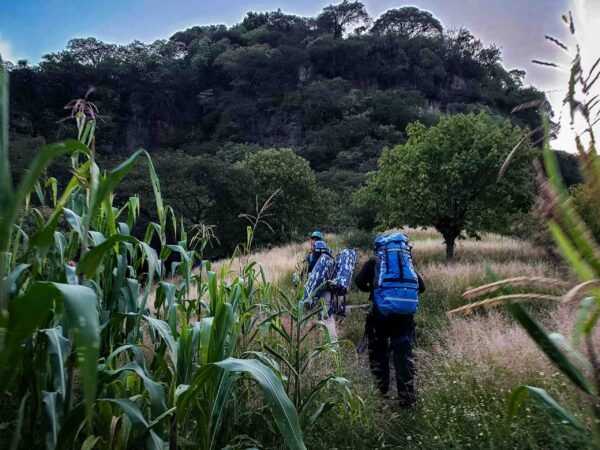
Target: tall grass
(582, 253)
(466, 366)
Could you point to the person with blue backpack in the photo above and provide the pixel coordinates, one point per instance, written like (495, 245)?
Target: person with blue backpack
(394, 288)
(317, 248)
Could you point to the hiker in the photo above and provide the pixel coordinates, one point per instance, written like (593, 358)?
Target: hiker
(315, 236)
(310, 260)
(319, 248)
(394, 286)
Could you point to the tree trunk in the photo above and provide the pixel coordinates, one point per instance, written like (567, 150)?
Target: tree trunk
(450, 236)
(449, 250)
(450, 244)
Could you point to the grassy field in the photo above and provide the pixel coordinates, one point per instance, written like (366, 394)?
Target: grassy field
(467, 365)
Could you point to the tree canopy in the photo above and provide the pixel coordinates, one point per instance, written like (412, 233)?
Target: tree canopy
(408, 22)
(445, 177)
(273, 80)
(335, 19)
(299, 204)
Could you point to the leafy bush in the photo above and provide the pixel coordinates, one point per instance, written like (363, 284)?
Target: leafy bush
(362, 240)
(586, 199)
(299, 206)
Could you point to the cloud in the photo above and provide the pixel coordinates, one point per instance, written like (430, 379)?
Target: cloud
(6, 51)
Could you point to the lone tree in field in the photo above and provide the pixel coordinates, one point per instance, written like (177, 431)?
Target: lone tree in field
(446, 177)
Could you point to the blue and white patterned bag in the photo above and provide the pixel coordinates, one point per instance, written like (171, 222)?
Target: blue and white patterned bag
(344, 268)
(318, 278)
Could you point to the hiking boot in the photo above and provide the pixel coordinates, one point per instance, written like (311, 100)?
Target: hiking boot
(409, 402)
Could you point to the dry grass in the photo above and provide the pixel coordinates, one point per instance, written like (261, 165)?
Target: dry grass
(278, 263)
(446, 282)
(482, 344)
(491, 247)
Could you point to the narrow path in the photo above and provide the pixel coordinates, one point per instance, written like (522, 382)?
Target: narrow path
(331, 327)
(331, 323)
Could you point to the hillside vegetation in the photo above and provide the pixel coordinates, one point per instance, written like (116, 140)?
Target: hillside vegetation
(335, 88)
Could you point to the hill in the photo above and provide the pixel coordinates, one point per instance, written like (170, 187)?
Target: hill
(336, 89)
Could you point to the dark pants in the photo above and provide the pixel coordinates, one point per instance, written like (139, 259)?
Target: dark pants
(395, 335)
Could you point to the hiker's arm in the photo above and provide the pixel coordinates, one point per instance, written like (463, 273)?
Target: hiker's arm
(304, 267)
(364, 278)
(421, 284)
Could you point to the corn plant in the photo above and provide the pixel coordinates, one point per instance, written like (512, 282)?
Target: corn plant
(85, 356)
(580, 250)
(293, 329)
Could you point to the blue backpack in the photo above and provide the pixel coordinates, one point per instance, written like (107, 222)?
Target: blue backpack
(317, 279)
(345, 263)
(396, 286)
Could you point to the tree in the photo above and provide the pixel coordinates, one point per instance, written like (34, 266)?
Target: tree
(335, 18)
(407, 22)
(445, 177)
(299, 206)
(201, 190)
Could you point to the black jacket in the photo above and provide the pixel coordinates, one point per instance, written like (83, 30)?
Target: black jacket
(365, 279)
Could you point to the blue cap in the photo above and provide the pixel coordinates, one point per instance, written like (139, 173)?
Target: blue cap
(320, 246)
(316, 235)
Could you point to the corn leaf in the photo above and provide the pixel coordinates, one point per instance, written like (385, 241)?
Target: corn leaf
(131, 410)
(162, 329)
(13, 277)
(549, 347)
(43, 159)
(89, 263)
(50, 400)
(284, 412)
(58, 348)
(544, 400)
(155, 390)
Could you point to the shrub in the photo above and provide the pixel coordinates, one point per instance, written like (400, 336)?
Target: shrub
(359, 239)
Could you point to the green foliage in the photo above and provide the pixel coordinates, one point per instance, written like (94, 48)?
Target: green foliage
(586, 200)
(445, 177)
(291, 344)
(197, 187)
(569, 168)
(272, 80)
(409, 22)
(362, 240)
(300, 204)
(336, 18)
(84, 356)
